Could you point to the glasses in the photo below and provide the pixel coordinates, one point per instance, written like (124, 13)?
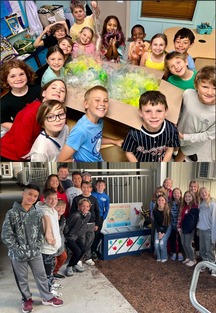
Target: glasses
(52, 118)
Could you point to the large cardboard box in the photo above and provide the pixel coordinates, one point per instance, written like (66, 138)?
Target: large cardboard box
(128, 114)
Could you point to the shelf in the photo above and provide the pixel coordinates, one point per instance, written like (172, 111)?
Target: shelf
(11, 36)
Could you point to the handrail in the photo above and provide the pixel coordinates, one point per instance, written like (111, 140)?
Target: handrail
(194, 282)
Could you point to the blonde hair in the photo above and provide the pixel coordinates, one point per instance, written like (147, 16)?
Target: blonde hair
(81, 201)
(209, 197)
(205, 73)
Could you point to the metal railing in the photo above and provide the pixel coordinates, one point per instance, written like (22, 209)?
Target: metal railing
(194, 282)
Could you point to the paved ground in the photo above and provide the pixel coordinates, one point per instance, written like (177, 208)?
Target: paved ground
(88, 292)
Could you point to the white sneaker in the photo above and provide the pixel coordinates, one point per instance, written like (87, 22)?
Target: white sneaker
(56, 293)
(77, 268)
(190, 263)
(163, 260)
(213, 274)
(185, 261)
(56, 286)
(90, 262)
(80, 263)
(69, 271)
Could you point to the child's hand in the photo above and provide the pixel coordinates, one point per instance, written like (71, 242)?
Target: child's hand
(51, 241)
(119, 142)
(94, 4)
(181, 136)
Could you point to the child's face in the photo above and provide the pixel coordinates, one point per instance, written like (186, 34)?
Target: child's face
(204, 194)
(112, 25)
(100, 187)
(86, 190)
(63, 173)
(188, 198)
(55, 91)
(193, 187)
(30, 196)
(182, 44)
(138, 34)
(176, 194)
(54, 121)
(79, 14)
(177, 66)
(51, 200)
(158, 46)
(59, 33)
(60, 209)
(56, 61)
(161, 202)
(77, 179)
(97, 105)
(85, 37)
(84, 207)
(54, 183)
(153, 116)
(167, 184)
(65, 46)
(206, 92)
(17, 78)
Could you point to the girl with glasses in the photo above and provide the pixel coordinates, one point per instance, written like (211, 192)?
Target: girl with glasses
(51, 116)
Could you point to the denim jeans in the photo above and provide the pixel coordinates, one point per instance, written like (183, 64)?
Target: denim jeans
(161, 245)
(206, 246)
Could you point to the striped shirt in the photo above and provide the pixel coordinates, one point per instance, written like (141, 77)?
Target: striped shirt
(151, 147)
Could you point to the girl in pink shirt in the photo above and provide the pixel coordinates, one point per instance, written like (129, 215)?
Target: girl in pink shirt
(84, 43)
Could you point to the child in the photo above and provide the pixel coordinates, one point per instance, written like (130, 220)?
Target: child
(51, 116)
(22, 233)
(18, 78)
(85, 139)
(138, 46)
(74, 190)
(86, 176)
(194, 187)
(66, 44)
(113, 41)
(174, 238)
(61, 254)
(158, 137)
(181, 77)
(167, 185)
(84, 44)
(81, 20)
(207, 227)
(183, 40)
(104, 204)
(156, 56)
(51, 34)
(196, 124)
(18, 141)
(94, 222)
(63, 172)
(162, 218)
(186, 226)
(52, 240)
(74, 231)
(55, 59)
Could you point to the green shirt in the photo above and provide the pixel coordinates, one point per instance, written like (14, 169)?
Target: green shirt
(181, 83)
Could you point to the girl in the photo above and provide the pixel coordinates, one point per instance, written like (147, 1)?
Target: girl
(161, 215)
(167, 184)
(52, 34)
(84, 44)
(207, 226)
(155, 57)
(175, 205)
(55, 59)
(113, 41)
(18, 141)
(194, 187)
(66, 44)
(187, 221)
(17, 77)
(51, 116)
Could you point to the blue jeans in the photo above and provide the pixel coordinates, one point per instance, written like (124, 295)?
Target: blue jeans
(161, 245)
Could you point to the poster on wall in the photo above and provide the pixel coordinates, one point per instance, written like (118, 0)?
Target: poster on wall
(123, 214)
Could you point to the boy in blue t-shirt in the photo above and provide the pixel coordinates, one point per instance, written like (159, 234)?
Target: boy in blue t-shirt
(85, 139)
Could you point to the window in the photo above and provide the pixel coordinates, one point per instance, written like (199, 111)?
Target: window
(167, 9)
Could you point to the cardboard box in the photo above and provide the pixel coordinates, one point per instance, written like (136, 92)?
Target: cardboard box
(128, 114)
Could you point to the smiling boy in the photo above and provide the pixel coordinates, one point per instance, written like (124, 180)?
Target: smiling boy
(156, 139)
(85, 139)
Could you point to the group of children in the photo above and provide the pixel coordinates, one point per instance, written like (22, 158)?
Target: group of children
(47, 137)
(44, 234)
(186, 221)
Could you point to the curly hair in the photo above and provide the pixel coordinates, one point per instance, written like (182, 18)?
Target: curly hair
(111, 17)
(14, 63)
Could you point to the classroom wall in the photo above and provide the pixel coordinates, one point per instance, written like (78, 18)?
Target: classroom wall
(205, 12)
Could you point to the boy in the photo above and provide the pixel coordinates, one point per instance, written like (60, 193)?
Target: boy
(104, 204)
(85, 139)
(61, 255)
(63, 173)
(156, 139)
(52, 240)
(74, 232)
(94, 221)
(86, 176)
(138, 46)
(181, 77)
(81, 20)
(197, 120)
(76, 189)
(183, 40)
(22, 233)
